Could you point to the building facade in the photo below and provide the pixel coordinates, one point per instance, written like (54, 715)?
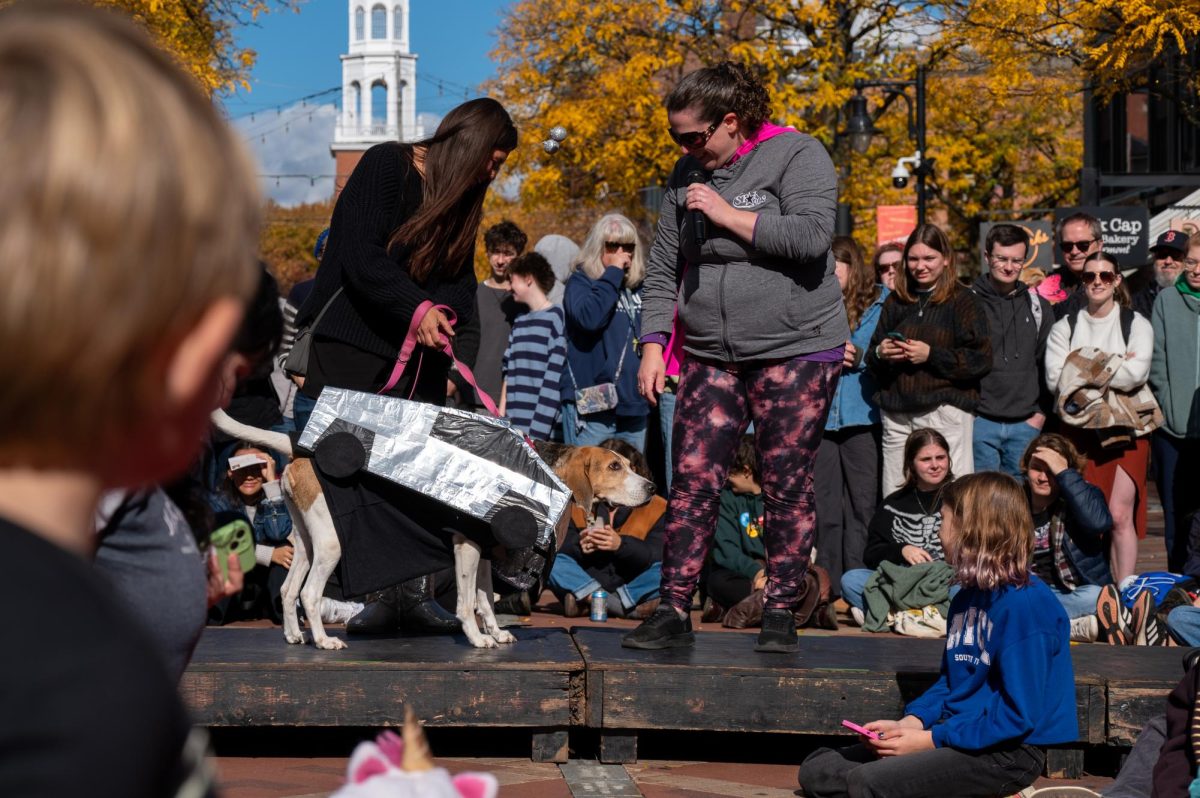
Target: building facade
(379, 84)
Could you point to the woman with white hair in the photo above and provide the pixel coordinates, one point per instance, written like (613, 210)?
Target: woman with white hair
(603, 306)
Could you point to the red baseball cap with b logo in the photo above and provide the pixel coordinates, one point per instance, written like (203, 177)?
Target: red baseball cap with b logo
(1176, 240)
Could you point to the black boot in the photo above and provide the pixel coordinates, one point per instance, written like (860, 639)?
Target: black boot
(419, 612)
(378, 617)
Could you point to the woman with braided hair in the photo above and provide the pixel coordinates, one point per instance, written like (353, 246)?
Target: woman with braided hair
(742, 250)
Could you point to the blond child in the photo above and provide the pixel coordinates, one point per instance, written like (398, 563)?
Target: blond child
(128, 230)
(1006, 687)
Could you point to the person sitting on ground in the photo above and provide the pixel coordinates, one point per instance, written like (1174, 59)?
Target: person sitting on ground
(530, 396)
(1007, 685)
(1071, 525)
(129, 229)
(620, 551)
(737, 573)
(904, 529)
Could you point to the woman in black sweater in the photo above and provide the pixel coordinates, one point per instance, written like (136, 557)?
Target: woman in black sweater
(403, 233)
(904, 529)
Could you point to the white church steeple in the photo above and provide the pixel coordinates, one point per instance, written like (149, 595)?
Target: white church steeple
(379, 77)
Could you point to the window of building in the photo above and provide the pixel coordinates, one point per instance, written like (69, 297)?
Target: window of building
(378, 22)
(359, 21)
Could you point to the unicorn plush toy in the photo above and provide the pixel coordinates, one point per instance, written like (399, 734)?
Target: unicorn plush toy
(401, 767)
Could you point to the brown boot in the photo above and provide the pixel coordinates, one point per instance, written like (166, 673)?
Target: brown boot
(746, 613)
(573, 607)
(712, 612)
(644, 610)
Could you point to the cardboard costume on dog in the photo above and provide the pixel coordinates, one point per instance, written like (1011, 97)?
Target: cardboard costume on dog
(402, 477)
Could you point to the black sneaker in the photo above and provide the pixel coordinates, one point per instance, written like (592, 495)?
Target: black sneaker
(778, 634)
(663, 629)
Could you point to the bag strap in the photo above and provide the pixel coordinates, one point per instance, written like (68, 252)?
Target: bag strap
(410, 344)
(628, 339)
(321, 315)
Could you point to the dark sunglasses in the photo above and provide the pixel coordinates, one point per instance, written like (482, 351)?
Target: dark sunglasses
(695, 138)
(611, 247)
(1082, 246)
(1108, 278)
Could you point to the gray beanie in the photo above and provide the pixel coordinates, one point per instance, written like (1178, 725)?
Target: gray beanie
(561, 252)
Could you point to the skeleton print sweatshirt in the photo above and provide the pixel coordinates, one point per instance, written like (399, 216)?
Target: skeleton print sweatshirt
(908, 516)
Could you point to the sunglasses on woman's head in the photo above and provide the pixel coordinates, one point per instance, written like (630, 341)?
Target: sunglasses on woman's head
(694, 138)
(611, 247)
(1108, 278)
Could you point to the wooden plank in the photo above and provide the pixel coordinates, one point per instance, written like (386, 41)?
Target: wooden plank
(618, 748)
(551, 746)
(251, 677)
(377, 697)
(1064, 763)
(1130, 709)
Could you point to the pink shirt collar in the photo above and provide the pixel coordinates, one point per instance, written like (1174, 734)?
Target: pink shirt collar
(768, 130)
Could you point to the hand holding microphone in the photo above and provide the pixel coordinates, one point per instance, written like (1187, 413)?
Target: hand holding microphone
(699, 223)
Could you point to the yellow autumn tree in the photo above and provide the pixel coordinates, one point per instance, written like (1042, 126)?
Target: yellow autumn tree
(1109, 42)
(602, 69)
(200, 34)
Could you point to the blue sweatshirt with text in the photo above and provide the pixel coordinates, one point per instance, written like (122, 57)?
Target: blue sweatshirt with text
(1006, 672)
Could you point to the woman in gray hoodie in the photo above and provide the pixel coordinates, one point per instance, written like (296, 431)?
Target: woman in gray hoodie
(742, 248)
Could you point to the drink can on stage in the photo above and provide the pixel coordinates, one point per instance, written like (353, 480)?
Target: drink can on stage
(599, 607)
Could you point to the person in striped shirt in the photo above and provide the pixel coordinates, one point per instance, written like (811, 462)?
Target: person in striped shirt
(537, 351)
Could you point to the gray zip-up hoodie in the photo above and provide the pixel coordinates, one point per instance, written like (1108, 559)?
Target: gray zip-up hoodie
(775, 298)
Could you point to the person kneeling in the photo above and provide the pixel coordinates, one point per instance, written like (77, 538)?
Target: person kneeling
(1006, 686)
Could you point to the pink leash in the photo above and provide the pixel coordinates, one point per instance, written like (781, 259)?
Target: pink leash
(410, 343)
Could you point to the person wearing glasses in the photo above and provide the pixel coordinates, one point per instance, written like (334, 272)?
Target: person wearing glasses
(1011, 408)
(888, 261)
(1175, 380)
(742, 250)
(1116, 464)
(1165, 267)
(1079, 236)
(603, 307)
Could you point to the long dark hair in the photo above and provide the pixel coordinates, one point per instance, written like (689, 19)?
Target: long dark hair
(936, 239)
(440, 236)
(861, 289)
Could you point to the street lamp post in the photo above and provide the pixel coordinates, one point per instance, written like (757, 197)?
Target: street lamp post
(860, 127)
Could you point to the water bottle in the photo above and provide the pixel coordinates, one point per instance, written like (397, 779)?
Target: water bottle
(599, 607)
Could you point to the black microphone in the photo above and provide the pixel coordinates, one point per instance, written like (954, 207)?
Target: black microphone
(699, 223)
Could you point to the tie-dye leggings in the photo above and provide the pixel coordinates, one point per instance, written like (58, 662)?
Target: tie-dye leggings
(788, 402)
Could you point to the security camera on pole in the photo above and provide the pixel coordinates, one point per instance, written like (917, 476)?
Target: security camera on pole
(860, 128)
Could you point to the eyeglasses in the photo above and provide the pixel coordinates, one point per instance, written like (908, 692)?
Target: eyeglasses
(1108, 278)
(611, 247)
(1006, 261)
(1191, 263)
(1082, 246)
(694, 138)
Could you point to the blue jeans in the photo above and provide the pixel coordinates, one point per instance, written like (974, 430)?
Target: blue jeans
(1078, 602)
(302, 407)
(666, 419)
(601, 426)
(998, 445)
(1184, 625)
(854, 582)
(568, 576)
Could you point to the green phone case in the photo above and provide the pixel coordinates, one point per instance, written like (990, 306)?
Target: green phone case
(237, 537)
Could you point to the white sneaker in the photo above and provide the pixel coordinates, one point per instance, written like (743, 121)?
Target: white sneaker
(1085, 629)
(1059, 792)
(334, 611)
(858, 616)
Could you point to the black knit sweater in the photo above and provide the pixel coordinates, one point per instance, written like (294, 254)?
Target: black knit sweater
(374, 311)
(960, 353)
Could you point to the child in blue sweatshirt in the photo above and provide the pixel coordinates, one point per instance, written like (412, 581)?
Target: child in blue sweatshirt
(1006, 687)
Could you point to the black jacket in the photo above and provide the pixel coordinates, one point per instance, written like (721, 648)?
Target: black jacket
(615, 568)
(374, 311)
(1012, 390)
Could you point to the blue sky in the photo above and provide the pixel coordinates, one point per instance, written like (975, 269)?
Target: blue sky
(298, 56)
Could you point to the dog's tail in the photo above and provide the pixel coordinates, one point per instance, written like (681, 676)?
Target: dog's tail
(278, 441)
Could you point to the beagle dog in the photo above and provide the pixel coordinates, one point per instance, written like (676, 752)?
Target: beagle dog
(591, 473)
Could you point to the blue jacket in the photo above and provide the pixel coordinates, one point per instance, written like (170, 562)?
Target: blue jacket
(1006, 673)
(1087, 523)
(853, 402)
(598, 327)
(272, 523)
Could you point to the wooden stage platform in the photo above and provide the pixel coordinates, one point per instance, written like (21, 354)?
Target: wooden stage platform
(555, 680)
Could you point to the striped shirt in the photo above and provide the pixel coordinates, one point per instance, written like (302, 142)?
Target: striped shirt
(533, 368)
